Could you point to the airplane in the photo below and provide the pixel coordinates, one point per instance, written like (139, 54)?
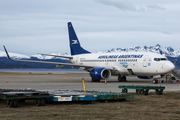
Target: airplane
(144, 65)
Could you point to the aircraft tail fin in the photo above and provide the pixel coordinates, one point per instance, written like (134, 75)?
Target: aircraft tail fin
(75, 46)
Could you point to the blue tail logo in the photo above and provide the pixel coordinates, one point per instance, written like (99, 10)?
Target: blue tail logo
(75, 46)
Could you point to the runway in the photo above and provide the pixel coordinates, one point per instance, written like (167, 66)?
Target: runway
(72, 82)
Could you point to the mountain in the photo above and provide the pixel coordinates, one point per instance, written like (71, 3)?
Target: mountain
(172, 55)
(169, 51)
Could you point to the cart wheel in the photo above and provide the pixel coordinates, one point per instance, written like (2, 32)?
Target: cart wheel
(122, 90)
(157, 91)
(11, 104)
(106, 101)
(137, 91)
(43, 102)
(22, 100)
(15, 103)
(145, 92)
(87, 102)
(141, 91)
(160, 92)
(123, 99)
(39, 102)
(53, 102)
(125, 90)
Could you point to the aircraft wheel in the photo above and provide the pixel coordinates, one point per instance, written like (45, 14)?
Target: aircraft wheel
(123, 78)
(155, 81)
(93, 80)
(119, 79)
(97, 80)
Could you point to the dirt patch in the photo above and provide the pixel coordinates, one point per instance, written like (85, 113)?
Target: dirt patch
(166, 106)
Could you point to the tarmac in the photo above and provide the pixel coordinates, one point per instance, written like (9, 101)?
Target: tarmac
(73, 82)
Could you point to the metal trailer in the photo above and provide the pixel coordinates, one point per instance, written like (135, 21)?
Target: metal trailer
(12, 97)
(70, 95)
(70, 98)
(142, 89)
(105, 96)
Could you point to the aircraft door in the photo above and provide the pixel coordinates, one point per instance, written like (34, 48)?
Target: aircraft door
(145, 61)
(161, 66)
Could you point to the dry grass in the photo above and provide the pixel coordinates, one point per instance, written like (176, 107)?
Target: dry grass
(166, 106)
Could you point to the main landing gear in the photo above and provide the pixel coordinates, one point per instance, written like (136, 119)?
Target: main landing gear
(95, 80)
(122, 79)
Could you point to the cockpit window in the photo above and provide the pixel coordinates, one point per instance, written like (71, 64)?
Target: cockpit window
(160, 59)
(163, 58)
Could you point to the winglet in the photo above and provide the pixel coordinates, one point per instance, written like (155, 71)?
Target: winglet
(7, 53)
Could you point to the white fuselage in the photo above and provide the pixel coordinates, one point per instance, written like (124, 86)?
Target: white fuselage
(128, 63)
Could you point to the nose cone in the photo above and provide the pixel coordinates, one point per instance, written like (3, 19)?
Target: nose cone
(170, 66)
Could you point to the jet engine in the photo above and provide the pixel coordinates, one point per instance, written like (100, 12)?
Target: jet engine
(100, 73)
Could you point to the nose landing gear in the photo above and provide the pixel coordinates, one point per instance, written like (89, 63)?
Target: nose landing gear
(155, 81)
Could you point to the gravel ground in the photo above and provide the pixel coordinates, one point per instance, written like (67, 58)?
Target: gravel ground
(166, 106)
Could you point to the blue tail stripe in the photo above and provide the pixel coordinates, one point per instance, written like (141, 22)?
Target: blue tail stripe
(75, 46)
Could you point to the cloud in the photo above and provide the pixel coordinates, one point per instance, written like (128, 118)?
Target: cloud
(166, 32)
(127, 6)
(122, 5)
(43, 27)
(155, 7)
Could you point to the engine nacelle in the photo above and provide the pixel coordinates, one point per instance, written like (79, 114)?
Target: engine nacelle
(144, 77)
(100, 73)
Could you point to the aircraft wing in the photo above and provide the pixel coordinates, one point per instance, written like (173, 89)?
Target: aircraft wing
(76, 66)
(85, 67)
(57, 56)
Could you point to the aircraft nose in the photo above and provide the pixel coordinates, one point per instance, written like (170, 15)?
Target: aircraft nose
(170, 66)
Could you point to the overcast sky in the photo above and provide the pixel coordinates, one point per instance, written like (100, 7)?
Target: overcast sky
(40, 26)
